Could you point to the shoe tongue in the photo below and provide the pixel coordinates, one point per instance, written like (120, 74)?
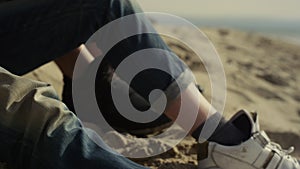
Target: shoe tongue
(244, 122)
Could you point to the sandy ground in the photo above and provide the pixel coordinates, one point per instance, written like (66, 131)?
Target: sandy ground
(262, 75)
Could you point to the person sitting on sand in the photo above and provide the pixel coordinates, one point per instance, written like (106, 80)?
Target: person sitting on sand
(38, 131)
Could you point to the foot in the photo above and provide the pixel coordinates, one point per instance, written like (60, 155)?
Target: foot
(258, 152)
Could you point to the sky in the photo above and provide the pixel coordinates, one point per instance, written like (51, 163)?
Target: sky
(253, 9)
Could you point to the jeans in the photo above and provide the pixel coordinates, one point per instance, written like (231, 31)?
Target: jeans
(35, 32)
(38, 131)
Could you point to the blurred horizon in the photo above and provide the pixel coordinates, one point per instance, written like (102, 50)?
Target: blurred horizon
(210, 9)
(273, 17)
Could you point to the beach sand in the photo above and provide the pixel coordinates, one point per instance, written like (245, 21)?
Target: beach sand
(262, 75)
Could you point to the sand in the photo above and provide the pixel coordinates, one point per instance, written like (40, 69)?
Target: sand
(262, 75)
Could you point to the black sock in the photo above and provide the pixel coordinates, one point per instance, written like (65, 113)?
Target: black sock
(211, 119)
(226, 133)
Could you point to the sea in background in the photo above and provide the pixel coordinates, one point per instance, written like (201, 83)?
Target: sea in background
(284, 29)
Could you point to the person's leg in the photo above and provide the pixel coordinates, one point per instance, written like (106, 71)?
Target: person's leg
(38, 131)
(152, 79)
(67, 62)
(93, 18)
(52, 28)
(35, 32)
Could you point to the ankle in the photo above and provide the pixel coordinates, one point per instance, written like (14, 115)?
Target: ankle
(210, 121)
(66, 63)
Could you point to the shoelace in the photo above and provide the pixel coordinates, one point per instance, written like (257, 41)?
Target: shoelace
(276, 147)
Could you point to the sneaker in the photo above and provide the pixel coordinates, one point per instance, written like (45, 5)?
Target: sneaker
(258, 152)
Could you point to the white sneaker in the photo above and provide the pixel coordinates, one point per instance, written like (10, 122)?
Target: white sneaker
(258, 152)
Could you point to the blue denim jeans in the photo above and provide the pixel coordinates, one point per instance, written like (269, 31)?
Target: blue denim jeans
(35, 32)
(35, 131)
